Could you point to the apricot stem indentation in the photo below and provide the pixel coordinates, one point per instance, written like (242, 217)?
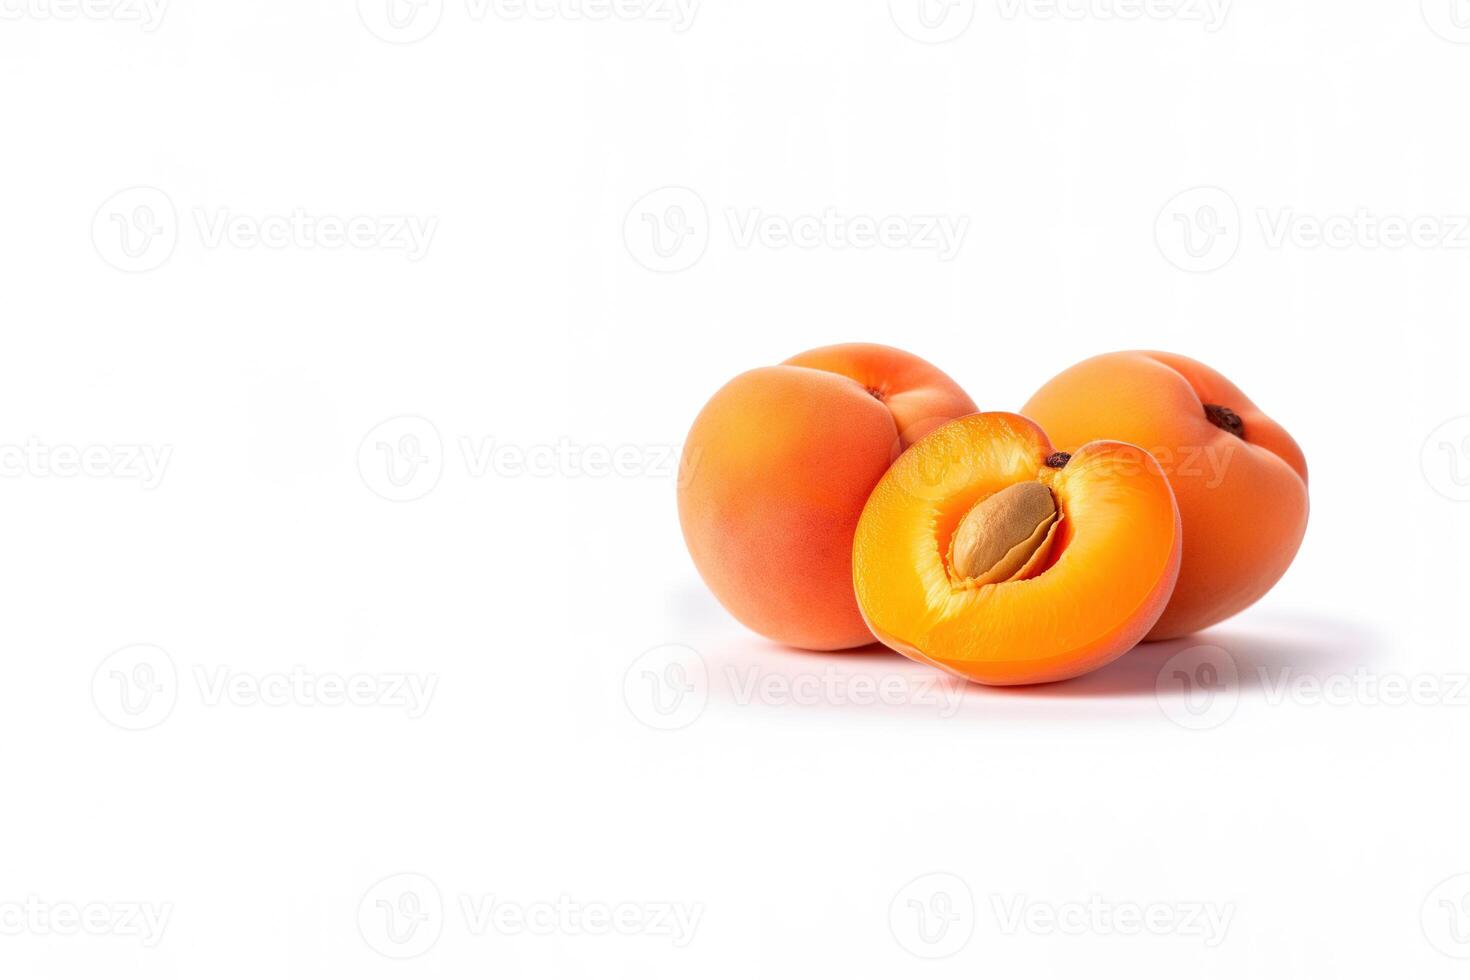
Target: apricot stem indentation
(1224, 418)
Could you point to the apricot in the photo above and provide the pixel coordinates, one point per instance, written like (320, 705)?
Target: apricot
(776, 470)
(1240, 479)
(987, 553)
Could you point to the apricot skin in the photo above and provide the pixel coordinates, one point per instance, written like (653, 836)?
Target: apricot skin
(1242, 500)
(776, 470)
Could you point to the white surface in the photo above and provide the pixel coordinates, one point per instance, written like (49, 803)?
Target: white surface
(792, 827)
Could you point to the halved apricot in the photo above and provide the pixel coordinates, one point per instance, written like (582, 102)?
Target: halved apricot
(1097, 576)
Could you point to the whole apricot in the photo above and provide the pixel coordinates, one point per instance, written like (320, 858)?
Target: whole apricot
(775, 473)
(1240, 479)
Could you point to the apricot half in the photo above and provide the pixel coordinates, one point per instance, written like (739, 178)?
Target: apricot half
(1240, 479)
(1077, 555)
(776, 470)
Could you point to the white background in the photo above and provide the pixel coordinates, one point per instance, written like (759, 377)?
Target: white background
(382, 462)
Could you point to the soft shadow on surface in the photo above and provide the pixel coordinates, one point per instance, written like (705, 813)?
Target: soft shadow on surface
(874, 649)
(691, 607)
(1242, 658)
(1258, 650)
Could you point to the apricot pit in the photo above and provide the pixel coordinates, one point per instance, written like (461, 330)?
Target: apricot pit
(1002, 535)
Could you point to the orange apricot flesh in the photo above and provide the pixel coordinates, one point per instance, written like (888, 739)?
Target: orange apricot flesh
(1106, 572)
